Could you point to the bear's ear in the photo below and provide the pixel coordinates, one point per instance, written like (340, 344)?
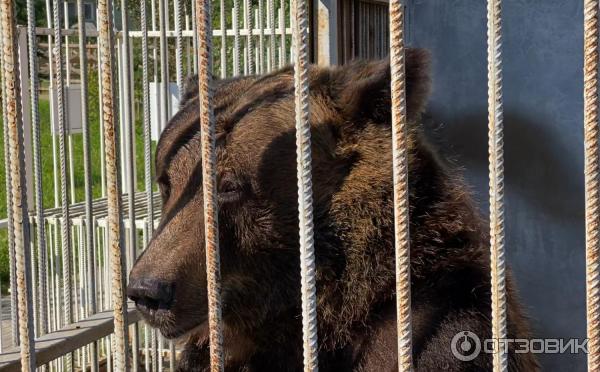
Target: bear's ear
(364, 92)
(190, 90)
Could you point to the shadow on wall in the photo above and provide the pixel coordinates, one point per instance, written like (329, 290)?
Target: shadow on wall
(535, 166)
(544, 194)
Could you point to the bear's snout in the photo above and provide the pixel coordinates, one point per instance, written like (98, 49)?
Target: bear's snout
(151, 294)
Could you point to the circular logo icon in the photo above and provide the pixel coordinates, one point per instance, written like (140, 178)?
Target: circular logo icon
(466, 346)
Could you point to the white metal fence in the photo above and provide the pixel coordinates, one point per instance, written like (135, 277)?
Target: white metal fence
(66, 167)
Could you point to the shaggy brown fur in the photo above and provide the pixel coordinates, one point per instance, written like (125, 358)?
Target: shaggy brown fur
(353, 209)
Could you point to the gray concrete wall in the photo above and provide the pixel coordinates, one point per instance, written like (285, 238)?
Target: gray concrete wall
(543, 50)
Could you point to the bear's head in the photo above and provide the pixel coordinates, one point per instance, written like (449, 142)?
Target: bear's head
(257, 202)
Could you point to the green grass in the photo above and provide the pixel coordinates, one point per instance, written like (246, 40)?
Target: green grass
(78, 174)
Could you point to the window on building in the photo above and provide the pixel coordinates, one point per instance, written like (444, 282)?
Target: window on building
(89, 12)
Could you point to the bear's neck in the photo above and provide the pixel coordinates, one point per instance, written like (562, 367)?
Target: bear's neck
(360, 227)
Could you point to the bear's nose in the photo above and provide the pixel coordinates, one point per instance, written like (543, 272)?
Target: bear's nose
(151, 294)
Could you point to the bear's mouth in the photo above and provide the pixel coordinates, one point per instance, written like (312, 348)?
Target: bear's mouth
(198, 329)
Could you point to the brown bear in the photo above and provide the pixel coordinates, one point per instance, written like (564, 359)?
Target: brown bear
(353, 218)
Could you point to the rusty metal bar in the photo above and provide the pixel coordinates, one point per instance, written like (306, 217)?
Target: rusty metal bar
(164, 64)
(115, 223)
(273, 38)
(14, 115)
(304, 171)
(496, 170)
(592, 182)
(223, 26)
(177, 15)
(235, 18)
(14, 318)
(39, 208)
(400, 175)
(261, 38)
(211, 224)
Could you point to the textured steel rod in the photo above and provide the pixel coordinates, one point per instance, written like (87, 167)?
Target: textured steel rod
(178, 46)
(154, 345)
(14, 316)
(160, 352)
(305, 197)
(101, 120)
(113, 193)
(172, 352)
(147, 165)
(53, 288)
(164, 64)
(496, 170)
(51, 64)
(211, 223)
(37, 168)
(129, 161)
(19, 192)
(273, 32)
(223, 26)
(195, 38)
(236, 37)
(261, 38)
(128, 126)
(188, 42)
(291, 55)
(87, 173)
(146, 117)
(400, 175)
(282, 47)
(64, 179)
(592, 182)
(249, 37)
(146, 348)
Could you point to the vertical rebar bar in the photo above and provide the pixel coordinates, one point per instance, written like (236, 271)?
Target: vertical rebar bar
(236, 37)
(178, 46)
(146, 118)
(87, 174)
(164, 64)
(14, 316)
(211, 224)
(39, 208)
(194, 38)
(305, 197)
(273, 32)
(496, 169)
(113, 192)
(249, 41)
(223, 26)
(282, 46)
(11, 88)
(129, 127)
(400, 174)
(64, 179)
(592, 182)
(261, 38)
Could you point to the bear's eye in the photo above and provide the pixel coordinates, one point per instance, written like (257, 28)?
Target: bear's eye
(164, 187)
(230, 188)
